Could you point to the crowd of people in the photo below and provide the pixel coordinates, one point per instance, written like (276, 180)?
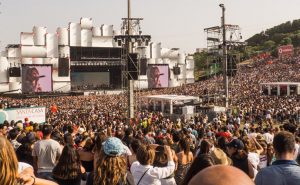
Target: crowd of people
(89, 140)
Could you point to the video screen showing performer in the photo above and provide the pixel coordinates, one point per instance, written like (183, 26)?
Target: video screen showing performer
(36, 78)
(158, 76)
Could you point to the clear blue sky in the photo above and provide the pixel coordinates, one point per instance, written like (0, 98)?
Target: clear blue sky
(175, 23)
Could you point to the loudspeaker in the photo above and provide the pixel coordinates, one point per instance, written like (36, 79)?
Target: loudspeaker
(15, 72)
(143, 66)
(231, 65)
(132, 66)
(176, 70)
(63, 66)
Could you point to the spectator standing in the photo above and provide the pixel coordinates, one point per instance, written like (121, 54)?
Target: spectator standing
(46, 153)
(143, 171)
(284, 170)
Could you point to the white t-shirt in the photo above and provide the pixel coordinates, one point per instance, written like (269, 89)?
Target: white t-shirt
(22, 166)
(47, 151)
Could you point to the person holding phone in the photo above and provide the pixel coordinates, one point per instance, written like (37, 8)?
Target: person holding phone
(153, 77)
(144, 172)
(32, 80)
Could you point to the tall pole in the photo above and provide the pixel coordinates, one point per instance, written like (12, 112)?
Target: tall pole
(224, 56)
(130, 94)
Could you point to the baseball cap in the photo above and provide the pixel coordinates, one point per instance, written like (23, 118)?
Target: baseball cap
(113, 146)
(236, 143)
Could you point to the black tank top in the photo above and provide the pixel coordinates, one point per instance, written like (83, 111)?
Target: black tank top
(241, 163)
(88, 165)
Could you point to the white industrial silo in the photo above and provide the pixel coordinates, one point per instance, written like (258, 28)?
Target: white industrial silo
(3, 70)
(63, 36)
(26, 39)
(97, 32)
(33, 51)
(86, 23)
(107, 30)
(52, 45)
(86, 38)
(39, 35)
(165, 52)
(155, 49)
(75, 34)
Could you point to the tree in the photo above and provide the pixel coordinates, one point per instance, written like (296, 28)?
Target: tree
(286, 41)
(269, 45)
(200, 60)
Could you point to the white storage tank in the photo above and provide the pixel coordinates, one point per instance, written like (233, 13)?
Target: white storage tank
(63, 36)
(86, 38)
(33, 51)
(3, 70)
(97, 32)
(165, 52)
(75, 34)
(26, 39)
(156, 50)
(107, 30)
(52, 45)
(39, 34)
(86, 23)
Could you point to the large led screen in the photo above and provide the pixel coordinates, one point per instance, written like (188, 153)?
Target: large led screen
(158, 76)
(36, 78)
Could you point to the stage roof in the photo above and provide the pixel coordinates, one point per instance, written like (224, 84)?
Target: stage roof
(172, 97)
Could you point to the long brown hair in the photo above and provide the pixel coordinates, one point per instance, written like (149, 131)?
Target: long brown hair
(110, 170)
(68, 166)
(8, 163)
